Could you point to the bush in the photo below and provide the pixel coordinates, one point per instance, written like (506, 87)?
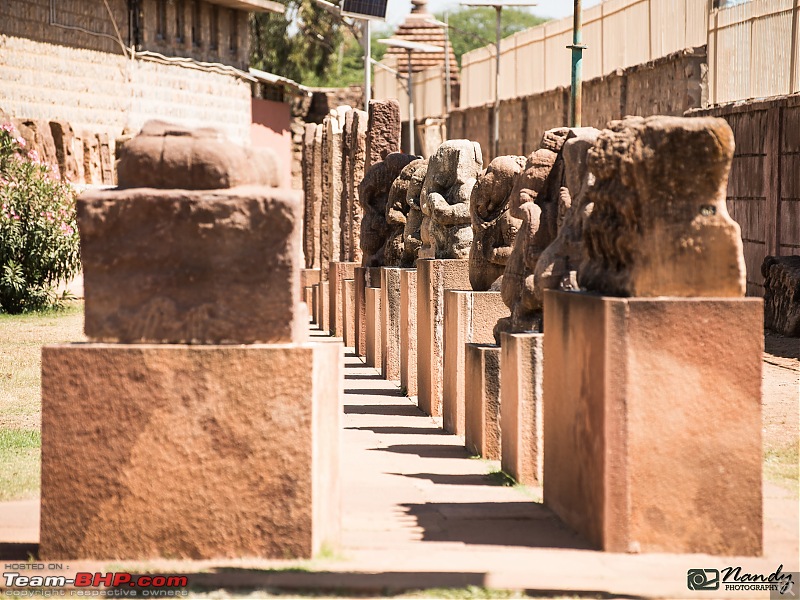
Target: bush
(39, 245)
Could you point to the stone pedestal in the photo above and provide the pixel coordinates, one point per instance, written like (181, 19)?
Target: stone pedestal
(434, 276)
(339, 271)
(159, 451)
(364, 277)
(308, 278)
(316, 303)
(373, 333)
(652, 421)
(469, 317)
(349, 312)
(390, 323)
(521, 363)
(482, 400)
(325, 305)
(408, 331)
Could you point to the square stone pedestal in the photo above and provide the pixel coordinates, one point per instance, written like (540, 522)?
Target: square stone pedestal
(482, 400)
(390, 323)
(339, 271)
(325, 305)
(349, 312)
(316, 303)
(190, 452)
(373, 322)
(652, 421)
(364, 277)
(408, 331)
(434, 276)
(469, 317)
(521, 363)
(309, 278)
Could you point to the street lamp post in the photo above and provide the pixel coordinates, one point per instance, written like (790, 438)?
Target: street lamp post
(448, 87)
(498, 6)
(410, 47)
(577, 47)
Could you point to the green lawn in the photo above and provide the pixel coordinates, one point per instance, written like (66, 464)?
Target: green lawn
(21, 340)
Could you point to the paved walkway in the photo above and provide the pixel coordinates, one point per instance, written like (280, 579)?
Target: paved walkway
(420, 513)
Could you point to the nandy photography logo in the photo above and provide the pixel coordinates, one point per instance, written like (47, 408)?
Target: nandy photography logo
(778, 583)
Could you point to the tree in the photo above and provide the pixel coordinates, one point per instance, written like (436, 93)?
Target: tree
(469, 25)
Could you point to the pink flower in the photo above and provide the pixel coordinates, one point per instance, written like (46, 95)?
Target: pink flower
(21, 141)
(67, 229)
(34, 156)
(15, 217)
(8, 127)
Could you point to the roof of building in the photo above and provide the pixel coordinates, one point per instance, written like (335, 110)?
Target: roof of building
(252, 5)
(278, 80)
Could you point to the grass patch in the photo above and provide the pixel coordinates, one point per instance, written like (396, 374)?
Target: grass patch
(20, 463)
(781, 466)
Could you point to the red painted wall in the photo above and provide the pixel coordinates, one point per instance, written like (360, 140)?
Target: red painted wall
(271, 128)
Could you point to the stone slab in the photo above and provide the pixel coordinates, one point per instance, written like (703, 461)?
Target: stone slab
(373, 334)
(324, 305)
(390, 323)
(308, 298)
(469, 317)
(192, 452)
(309, 277)
(348, 302)
(482, 401)
(315, 304)
(434, 276)
(364, 277)
(156, 271)
(339, 271)
(652, 422)
(521, 364)
(408, 331)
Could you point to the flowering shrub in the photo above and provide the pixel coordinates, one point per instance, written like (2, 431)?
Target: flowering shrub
(39, 244)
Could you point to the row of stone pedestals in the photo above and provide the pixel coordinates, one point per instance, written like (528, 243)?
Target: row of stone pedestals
(642, 424)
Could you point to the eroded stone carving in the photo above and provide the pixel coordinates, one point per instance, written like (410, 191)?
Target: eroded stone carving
(373, 192)
(397, 209)
(412, 242)
(660, 226)
(452, 171)
(493, 229)
(782, 294)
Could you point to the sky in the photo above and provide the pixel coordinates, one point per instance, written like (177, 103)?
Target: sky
(555, 9)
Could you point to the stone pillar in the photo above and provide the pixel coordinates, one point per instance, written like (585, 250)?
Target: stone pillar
(482, 400)
(357, 160)
(521, 363)
(373, 333)
(390, 323)
(408, 331)
(310, 225)
(325, 251)
(383, 131)
(364, 277)
(348, 303)
(469, 317)
(339, 271)
(308, 278)
(325, 306)
(317, 193)
(434, 276)
(335, 125)
(652, 421)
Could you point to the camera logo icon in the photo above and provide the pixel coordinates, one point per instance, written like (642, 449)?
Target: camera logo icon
(703, 579)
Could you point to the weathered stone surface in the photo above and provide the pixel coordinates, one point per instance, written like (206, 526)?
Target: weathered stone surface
(493, 229)
(630, 461)
(325, 306)
(397, 209)
(452, 172)
(390, 323)
(339, 271)
(408, 331)
(412, 236)
(191, 266)
(325, 255)
(217, 452)
(68, 159)
(310, 216)
(482, 400)
(782, 294)
(534, 201)
(660, 225)
(383, 131)
(335, 163)
(107, 161)
(166, 156)
(38, 138)
(358, 155)
(92, 171)
(317, 183)
(347, 192)
(373, 357)
(374, 195)
(349, 311)
(557, 267)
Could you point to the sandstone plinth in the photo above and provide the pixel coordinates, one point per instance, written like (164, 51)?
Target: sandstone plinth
(482, 400)
(339, 271)
(390, 323)
(408, 331)
(373, 329)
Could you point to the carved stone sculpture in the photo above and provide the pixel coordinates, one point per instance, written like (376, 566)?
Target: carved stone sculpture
(396, 215)
(412, 242)
(373, 192)
(534, 201)
(452, 172)
(660, 226)
(782, 294)
(493, 229)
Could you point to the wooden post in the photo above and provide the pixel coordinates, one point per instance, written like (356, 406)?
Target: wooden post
(772, 181)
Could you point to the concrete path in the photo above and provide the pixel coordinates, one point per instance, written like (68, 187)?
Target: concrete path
(419, 513)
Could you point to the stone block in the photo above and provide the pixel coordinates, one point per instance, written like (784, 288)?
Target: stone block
(469, 317)
(325, 305)
(308, 298)
(373, 334)
(349, 312)
(189, 452)
(339, 271)
(521, 363)
(315, 306)
(434, 276)
(390, 323)
(408, 331)
(482, 401)
(383, 130)
(652, 422)
(364, 277)
(155, 270)
(309, 277)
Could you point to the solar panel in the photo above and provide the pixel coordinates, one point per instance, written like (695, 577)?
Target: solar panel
(365, 9)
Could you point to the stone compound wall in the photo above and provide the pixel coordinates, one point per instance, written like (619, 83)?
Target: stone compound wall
(764, 186)
(667, 86)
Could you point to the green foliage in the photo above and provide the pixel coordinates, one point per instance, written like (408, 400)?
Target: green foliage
(39, 244)
(472, 28)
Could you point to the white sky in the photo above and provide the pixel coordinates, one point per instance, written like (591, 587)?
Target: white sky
(398, 9)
